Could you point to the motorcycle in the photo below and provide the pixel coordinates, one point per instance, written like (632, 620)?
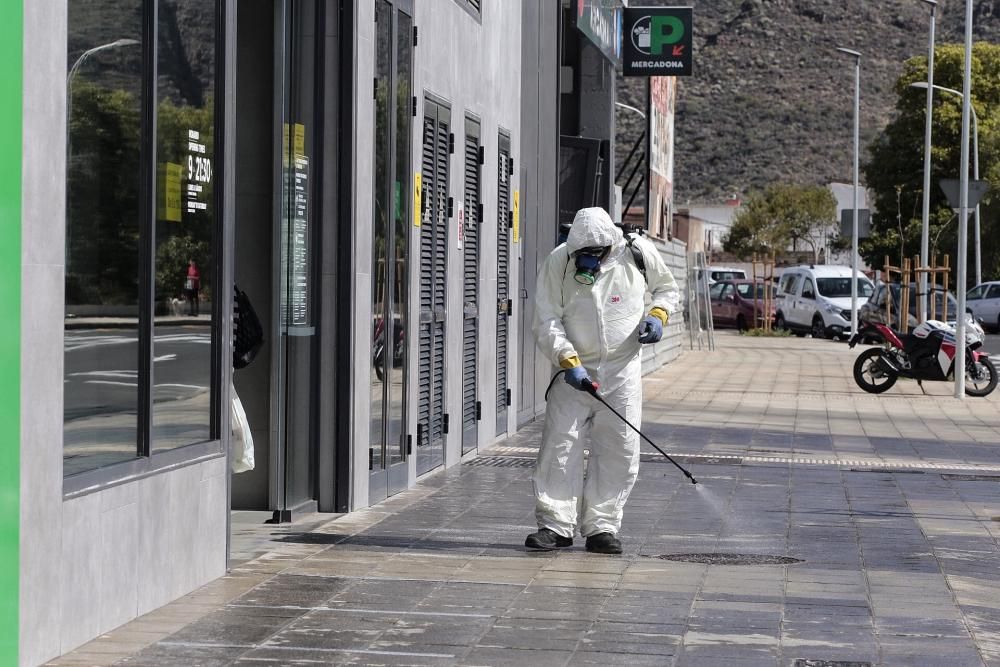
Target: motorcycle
(926, 354)
(378, 348)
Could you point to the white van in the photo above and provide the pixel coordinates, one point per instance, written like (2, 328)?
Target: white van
(817, 300)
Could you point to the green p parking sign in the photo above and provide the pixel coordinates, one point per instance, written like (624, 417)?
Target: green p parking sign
(657, 41)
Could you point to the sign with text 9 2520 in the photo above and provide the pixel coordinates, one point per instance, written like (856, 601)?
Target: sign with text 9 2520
(657, 41)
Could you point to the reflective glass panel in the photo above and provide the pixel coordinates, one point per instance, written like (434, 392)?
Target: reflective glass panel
(298, 202)
(185, 223)
(382, 335)
(103, 212)
(401, 217)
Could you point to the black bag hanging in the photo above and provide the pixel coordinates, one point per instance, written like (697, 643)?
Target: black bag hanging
(248, 333)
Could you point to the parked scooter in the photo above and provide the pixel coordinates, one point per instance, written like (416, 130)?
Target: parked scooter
(926, 354)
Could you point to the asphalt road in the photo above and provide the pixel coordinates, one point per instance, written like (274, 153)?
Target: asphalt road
(992, 345)
(101, 368)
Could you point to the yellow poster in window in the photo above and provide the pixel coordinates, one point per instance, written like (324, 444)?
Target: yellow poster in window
(418, 188)
(169, 205)
(516, 231)
(284, 144)
(299, 146)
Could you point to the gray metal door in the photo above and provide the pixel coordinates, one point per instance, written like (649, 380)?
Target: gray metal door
(432, 422)
(505, 168)
(472, 213)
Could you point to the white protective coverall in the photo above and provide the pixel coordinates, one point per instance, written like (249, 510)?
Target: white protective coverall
(600, 324)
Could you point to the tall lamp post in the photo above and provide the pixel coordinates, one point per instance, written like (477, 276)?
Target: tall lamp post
(963, 214)
(83, 57)
(926, 218)
(975, 174)
(854, 226)
(69, 109)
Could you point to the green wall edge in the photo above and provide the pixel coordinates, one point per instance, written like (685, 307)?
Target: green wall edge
(11, 148)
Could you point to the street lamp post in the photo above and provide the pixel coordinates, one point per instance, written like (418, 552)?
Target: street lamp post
(854, 226)
(975, 173)
(86, 54)
(963, 214)
(79, 62)
(69, 108)
(925, 221)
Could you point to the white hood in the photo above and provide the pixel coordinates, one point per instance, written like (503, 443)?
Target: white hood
(844, 302)
(592, 227)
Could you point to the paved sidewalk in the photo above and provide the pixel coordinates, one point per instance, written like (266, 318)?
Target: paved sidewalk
(891, 504)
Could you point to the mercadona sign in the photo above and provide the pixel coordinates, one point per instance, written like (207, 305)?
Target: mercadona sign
(657, 41)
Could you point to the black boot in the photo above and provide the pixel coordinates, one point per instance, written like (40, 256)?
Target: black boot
(604, 543)
(547, 540)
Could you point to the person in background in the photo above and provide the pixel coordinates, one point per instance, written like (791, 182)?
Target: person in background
(192, 284)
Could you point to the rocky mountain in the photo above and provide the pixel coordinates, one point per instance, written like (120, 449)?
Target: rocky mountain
(771, 99)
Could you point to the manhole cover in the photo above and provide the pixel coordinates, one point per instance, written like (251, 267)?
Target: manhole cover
(731, 559)
(829, 663)
(971, 478)
(501, 462)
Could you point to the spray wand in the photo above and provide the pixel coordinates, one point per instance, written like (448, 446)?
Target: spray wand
(591, 388)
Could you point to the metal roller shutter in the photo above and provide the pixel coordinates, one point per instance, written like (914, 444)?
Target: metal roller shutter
(503, 279)
(470, 296)
(431, 418)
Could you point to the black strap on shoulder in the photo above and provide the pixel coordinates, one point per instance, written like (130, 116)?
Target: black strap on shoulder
(640, 260)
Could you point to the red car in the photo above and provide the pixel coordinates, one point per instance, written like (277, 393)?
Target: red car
(733, 304)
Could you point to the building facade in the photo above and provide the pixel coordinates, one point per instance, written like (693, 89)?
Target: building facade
(380, 177)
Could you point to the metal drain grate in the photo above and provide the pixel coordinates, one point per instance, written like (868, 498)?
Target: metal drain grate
(890, 471)
(501, 462)
(731, 559)
(829, 663)
(971, 478)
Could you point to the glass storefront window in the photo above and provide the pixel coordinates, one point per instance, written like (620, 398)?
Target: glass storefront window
(185, 223)
(382, 337)
(401, 218)
(390, 237)
(115, 224)
(103, 214)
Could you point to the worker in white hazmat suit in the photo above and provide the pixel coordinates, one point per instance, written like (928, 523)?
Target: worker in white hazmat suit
(591, 318)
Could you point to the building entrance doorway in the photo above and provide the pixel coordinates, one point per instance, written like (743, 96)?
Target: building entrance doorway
(389, 443)
(285, 171)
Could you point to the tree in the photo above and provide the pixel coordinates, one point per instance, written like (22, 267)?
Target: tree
(894, 173)
(779, 215)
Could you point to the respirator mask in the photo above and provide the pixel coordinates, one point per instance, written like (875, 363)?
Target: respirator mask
(588, 263)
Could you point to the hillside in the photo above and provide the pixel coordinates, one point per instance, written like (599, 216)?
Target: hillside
(771, 99)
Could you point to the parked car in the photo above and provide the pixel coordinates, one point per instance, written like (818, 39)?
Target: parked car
(983, 301)
(817, 300)
(873, 310)
(733, 304)
(715, 274)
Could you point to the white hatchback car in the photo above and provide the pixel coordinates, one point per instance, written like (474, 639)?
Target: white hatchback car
(983, 301)
(817, 300)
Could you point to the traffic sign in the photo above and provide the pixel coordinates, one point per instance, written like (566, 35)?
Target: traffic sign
(864, 223)
(952, 190)
(657, 41)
